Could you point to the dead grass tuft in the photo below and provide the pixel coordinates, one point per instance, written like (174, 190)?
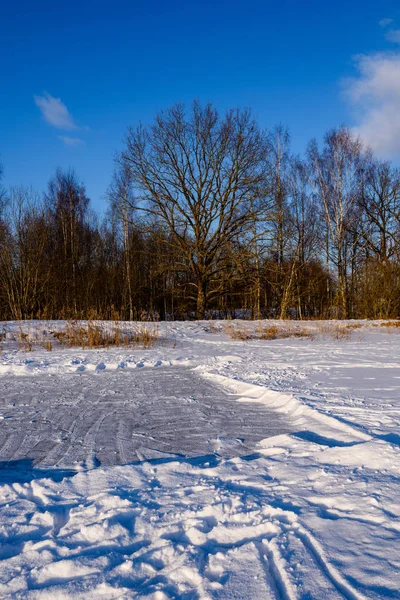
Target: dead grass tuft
(47, 345)
(212, 328)
(272, 332)
(24, 341)
(303, 333)
(146, 335)
(236, 333)
(335, 331)
(72, 335)
(269, 333)
(280, 333)
(104, 335)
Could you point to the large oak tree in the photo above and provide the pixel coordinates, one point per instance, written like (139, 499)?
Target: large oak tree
(201, 177)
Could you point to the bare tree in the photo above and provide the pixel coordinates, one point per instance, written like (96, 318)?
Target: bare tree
(279, 216)
(121, 200)
(199, 176)
(68, 206)
(377, 272)
(380, 205)
(336, 178)
(280, 164)
(23, 261)
(3, 197)
(304, 245)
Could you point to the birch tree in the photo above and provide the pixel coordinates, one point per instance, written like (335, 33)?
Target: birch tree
(336, 179)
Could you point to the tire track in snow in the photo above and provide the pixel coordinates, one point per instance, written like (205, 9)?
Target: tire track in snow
(272, 560)
(11, 445)
(77, 435)
(81, 417)
(189, 537)
(315, 549)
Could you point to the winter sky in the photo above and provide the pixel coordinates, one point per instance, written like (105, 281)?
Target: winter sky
(76, 74)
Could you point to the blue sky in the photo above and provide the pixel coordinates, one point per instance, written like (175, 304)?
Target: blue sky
(74, 74)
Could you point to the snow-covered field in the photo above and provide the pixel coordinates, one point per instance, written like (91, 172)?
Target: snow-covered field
(202, 468)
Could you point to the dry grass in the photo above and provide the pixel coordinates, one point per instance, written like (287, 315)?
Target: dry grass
(269, 333)
(25, 342)
(272, 332)
(240, 334)
(392, 324)
(90, 334)
(334, 331)
(146, 335)
(302, 333)
(104, 335)
(351, 326)
(212, 328)
(237, 333)
(279, 333)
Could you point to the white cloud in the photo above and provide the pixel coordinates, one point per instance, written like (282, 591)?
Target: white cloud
(393, 36)
(71, 141)
(55, 112)
(385, 22)
(375, 98)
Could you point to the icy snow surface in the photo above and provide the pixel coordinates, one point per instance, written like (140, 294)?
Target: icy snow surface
(201, 468)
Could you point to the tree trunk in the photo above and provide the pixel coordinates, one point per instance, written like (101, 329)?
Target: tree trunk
(201, 300)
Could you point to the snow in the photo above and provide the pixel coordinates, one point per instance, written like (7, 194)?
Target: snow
(202, 468)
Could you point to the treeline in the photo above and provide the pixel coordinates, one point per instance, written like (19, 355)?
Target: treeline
(209, 215)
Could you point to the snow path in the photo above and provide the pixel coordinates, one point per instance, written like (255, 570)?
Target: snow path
(231, 470)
